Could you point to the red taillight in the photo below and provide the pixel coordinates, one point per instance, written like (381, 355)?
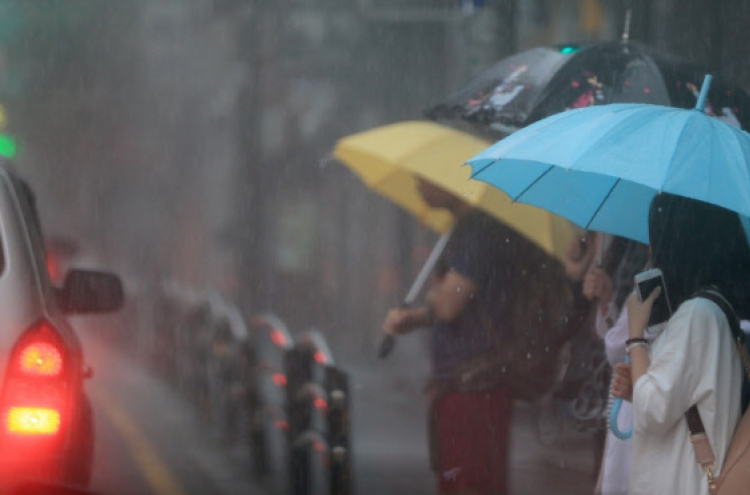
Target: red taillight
(39, 352)
(40, 359)
(33, 421)
(53, 269)
(36, 387)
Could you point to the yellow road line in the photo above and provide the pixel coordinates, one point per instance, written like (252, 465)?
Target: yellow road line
(143, 453)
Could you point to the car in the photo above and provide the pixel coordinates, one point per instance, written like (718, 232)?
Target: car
(46, 421)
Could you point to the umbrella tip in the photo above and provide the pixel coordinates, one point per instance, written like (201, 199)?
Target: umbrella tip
(701, 103)
(626, 30)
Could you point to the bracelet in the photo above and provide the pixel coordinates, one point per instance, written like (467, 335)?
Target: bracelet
(634, 345)
(637, 339)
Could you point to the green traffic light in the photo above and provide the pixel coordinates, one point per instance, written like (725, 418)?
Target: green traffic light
(567, 50)
(8, 147)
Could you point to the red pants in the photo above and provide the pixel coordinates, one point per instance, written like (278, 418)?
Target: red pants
(472, 432)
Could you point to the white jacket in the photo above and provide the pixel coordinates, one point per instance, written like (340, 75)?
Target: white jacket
(693, 361)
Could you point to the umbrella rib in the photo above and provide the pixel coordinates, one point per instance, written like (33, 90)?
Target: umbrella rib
(672, 158)
(540, 177)
(601, 203)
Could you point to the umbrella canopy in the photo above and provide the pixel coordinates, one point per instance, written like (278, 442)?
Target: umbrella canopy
(601, 166)
(389, 160)
(543, 81)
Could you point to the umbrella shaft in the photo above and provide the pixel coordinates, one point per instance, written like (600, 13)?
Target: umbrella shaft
(427, 268)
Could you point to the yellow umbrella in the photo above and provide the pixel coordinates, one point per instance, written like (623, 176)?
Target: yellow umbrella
(388, 159)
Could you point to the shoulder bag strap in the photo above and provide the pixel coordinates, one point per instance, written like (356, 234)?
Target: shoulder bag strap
(734, 325)
(704, 454)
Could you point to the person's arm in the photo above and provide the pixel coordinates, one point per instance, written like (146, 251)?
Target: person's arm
(450, 298)
(598, 284)
(638, 315)
(622, 385)
(665, 387)
(404, 320)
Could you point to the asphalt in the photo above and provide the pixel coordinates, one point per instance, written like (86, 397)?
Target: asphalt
(140, 417)
(547, 453)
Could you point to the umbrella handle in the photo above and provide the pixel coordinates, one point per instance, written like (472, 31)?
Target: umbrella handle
(622, 435)
(386, 346)
(389, 341)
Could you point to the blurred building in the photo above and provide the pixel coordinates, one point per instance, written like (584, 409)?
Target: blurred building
(189, 140)
(323, 72)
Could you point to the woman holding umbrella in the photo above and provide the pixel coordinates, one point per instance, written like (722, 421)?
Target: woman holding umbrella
(692, 359)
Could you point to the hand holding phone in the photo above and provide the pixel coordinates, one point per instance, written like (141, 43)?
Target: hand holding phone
(645, 283)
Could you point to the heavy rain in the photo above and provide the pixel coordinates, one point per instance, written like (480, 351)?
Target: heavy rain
(262, 268)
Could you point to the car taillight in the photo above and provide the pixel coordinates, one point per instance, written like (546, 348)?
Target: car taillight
(33, 421)
(36, 384)
(40, 359)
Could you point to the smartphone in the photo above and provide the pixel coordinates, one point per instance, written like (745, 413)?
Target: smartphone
(646, 282)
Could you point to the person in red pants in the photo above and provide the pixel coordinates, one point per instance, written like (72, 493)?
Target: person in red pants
(465, 308)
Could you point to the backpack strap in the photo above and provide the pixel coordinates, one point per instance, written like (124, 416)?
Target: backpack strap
(704, 454)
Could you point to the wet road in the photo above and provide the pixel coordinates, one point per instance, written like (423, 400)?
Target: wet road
(149, 440)
(390, 438)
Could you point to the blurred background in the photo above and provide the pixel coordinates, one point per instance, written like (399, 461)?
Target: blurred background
(189, 140)
(186, 144)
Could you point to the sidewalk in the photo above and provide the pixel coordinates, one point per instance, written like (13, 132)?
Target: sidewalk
(565, 466)
(390, 444)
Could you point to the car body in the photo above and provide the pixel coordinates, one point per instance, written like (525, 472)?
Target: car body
(46, 423)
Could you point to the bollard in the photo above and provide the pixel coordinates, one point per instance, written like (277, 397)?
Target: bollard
(339, 429)
(311, 454)
(298, 367)
(309, 459)
(318, 408)
(265, 395)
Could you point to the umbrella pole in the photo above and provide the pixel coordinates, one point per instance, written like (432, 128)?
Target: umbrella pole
(389, 341)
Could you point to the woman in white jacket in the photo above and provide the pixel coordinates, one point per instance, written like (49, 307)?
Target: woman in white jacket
(692, 360)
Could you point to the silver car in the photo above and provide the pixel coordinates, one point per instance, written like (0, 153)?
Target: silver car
(46, 423)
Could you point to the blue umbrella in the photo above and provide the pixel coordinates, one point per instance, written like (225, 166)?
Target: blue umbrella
(600, 166)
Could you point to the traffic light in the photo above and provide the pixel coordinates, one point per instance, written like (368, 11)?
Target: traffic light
(8, 146)
(569, 49)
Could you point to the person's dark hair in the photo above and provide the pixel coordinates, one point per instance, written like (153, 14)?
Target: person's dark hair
(697, 245)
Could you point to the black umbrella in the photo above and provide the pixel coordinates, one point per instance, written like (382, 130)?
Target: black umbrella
(539, 82)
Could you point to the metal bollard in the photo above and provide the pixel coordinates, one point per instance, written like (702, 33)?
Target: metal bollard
(298, 367)
(310, 454)
(318, 408)
(265, 396)
(339, 429)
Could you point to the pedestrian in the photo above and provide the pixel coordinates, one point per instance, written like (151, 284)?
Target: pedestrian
(609, 284)
(692, 359)
(465, 308)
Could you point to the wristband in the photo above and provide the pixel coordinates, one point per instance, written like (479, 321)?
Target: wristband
(635, 344)
(637, 339)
